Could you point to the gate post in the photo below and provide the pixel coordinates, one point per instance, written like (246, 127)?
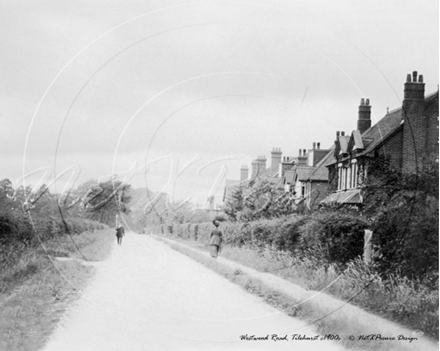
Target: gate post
(368, 246)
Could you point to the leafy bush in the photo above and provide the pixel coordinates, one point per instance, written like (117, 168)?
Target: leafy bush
(338, 237)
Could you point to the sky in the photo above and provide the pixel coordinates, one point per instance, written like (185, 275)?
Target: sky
(176, 95)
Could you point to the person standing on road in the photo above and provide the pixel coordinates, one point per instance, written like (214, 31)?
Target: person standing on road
(120, 232)
(216, 240)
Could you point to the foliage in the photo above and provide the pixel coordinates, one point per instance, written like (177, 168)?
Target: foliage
(152, 209)
(258, 200)
(104, 201)
(335, 237)
(28, 217)
(404, 213)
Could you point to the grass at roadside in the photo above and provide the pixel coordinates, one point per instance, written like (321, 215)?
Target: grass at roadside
(397, 299)
(356, 286)
(285, 303)
(37, 289)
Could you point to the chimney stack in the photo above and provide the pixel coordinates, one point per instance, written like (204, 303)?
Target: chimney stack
(244, 173)
(275, 160)
(254, 169)
(364, 119)
(302, 157)
(261, 164)
(314, 146)
(414, 90)
(342, 133)
(318, 145)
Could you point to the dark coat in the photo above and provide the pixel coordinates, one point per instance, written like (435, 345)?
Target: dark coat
(216, 237)
(120, 231)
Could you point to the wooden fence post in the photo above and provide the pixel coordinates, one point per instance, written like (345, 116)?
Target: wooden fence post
(368, 246)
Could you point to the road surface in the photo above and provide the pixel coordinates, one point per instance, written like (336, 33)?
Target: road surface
(147, 296)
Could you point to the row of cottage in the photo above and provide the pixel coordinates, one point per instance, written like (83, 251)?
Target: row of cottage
(406, 136)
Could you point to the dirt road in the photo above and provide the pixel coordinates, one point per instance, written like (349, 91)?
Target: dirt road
(147, 296)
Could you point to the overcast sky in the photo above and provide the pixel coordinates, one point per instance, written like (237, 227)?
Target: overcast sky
(196, 87)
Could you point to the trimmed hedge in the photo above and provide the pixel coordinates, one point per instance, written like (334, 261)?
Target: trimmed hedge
(18, 228)
(333, 237)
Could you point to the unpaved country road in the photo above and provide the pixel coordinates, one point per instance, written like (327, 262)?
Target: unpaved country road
(147, 296)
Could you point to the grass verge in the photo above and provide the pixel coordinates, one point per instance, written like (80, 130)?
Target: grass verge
(37, 288)
(322, 311)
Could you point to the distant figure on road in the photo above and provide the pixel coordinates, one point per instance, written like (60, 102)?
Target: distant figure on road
(215, 241)
(120, 232)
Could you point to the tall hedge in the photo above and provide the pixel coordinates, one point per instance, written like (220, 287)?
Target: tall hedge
(336, 237)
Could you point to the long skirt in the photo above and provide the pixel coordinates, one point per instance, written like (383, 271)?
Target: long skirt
(214, 250)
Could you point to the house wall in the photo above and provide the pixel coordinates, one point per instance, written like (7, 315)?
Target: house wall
(392, 149)
(418, 139)
(319, 191)
(432, 140)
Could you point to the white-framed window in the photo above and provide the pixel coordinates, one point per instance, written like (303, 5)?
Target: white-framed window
(349, 177)
(344, 178)
(339, 176)
(354, 171)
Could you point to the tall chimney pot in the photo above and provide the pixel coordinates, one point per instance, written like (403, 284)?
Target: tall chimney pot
(275, 160)
(414, 90)
(364, 116)
(414, 76)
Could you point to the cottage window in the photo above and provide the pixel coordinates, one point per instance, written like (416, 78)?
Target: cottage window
(339, 177)
(349, 178)
(354, 166)
(344, 178)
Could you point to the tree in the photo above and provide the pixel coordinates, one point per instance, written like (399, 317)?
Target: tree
(98, 201)
(103, 201)
(404, 215)
(258, 200)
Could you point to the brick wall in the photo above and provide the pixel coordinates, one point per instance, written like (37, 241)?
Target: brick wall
(432, 127)
(392, 149)
(319, 191)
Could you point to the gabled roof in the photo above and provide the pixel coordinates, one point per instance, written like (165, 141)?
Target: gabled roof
(303, 172)
(355, 143)
(343, 144)
(288, 176)
(375, 135)
(320, 173)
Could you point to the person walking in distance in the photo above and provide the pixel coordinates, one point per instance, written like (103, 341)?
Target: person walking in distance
(216, 239)
(120, 232)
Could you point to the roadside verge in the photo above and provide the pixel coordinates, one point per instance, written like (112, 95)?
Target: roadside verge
(356, 328)
(31, 310)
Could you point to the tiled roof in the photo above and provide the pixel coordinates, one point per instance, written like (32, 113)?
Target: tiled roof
(381, 130)
(343, 141)
(357, 138)
(388, 125)
(303, 172)
(288, 176)
(320, 173)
